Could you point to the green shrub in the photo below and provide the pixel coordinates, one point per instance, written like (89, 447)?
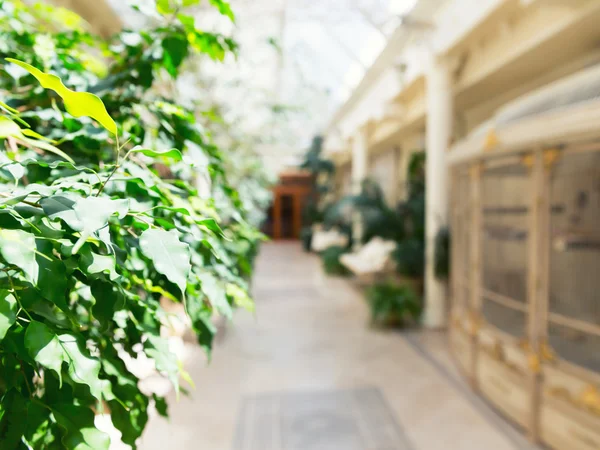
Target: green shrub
(306, 238)
(322, 171)
(331, 261)
(442, 254)
(410, 257)
(100, 223)
(393, 305)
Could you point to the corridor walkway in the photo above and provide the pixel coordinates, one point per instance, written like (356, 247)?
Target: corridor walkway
(307, 373)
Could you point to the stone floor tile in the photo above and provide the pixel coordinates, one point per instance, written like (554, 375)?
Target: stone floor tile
(290, 377)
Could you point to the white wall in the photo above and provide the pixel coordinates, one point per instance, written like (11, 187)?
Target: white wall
(383, 168)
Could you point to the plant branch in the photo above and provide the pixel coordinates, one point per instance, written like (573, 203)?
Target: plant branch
(17, 298)
(117, 165)
(35, 205)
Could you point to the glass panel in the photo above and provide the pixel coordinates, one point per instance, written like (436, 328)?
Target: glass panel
(505, 201)
(506, 319)
(460, 238)
(464, 193)
(575, 242)
(505, 210)
(574, 285)
(575, 346)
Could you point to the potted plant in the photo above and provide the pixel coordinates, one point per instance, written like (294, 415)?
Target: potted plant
(331, 261)
(393, 305)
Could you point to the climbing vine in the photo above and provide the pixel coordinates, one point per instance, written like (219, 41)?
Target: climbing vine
(107, 209)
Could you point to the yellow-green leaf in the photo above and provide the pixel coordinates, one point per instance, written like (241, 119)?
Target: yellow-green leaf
(8, 108)
(173, 153)
(77, 104)
(8, 128)
(8, 311)
(240, 297)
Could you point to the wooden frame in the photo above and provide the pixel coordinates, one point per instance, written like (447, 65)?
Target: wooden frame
(556, 401)
(298, 188)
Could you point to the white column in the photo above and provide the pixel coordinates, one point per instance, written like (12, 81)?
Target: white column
(439, 130)
(359, 173)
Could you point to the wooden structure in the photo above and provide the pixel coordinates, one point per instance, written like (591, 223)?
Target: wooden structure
(525, 217)
(289, 196)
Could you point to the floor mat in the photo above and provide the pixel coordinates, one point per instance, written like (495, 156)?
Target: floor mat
(357, 419)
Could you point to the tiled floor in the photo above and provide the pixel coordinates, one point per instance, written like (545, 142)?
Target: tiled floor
(307, 373)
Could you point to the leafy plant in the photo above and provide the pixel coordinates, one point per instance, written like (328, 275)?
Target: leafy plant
(331, 261)
(377, 217)
(410, 252)
(393, 305)
(442, 253)
(101, 220)
(306, 235)
(322, 171)
(405, 224)
(410, 257)
(314, 161)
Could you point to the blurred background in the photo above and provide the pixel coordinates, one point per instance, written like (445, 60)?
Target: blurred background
(428, 175)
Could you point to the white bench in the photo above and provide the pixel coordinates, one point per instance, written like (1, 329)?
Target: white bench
(372, 259)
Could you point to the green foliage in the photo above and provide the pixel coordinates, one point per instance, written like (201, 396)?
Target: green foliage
(393, 305)
(410, 257)
(78, 104)
(442, 254)
(410, 252)
(99, 224)
(377, 217)
(306, 235)
(314, 161)
(331, 261)
(322, 171)
(405, 224)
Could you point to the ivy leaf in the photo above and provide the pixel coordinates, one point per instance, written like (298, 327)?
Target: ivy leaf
(169, 255)
(224, 8)
(93, 212)
(78, 422)
(215, 291)
(60, 207)
(165, 6)
(182, 211)
(8, 128)
(44, 347)
(107, 301)
(16, 170)
(130, 419)
(8, 109)
(13, 419)
(240, 297)
(173, 153)
(37, 422)
(201, 322)
(54, 165)
(51, 350)
(165, 360)
(8, 312)
(86, 215)
(161, 405)
(78, 104)
(175, 50)
(83, 368)
(93, 263)
(212, 225)
(18, 248)
(52, 278)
